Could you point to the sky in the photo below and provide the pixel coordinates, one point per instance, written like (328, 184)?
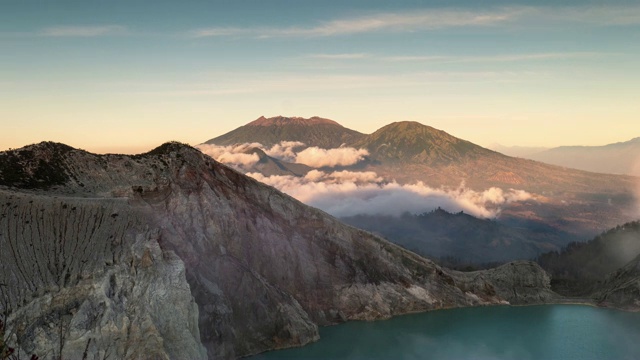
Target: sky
(126, 76)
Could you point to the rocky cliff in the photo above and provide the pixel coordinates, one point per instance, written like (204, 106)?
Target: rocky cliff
(170, 254)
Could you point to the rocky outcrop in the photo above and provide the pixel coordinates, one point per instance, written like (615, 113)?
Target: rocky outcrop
(622, 288)
(518, 283)
(171, 255)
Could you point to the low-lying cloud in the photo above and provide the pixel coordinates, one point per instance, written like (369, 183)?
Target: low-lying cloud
(317, 157)
(348, 193)
(289, 151)
(285, 150)
(234, 155)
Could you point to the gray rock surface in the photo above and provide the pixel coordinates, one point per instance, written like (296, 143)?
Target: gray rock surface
(517, 282)
(621, 290)
(171, 255)
(91, 271)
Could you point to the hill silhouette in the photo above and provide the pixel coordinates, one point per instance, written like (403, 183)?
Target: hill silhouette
(618, 158)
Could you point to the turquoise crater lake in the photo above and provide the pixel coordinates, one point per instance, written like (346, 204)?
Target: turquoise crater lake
(543, 332)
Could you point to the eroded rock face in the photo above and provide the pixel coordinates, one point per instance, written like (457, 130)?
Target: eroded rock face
(92, 272)
(170, 254)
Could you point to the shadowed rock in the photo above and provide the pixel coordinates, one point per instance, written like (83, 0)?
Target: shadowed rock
(170, 254)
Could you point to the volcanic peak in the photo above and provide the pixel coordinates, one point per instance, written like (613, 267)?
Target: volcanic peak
(283, 121)
(411, 129)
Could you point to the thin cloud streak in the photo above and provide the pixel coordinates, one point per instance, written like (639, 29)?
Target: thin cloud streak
(354, 56)
(498, 58)
(595, 15)
(435, 19)
(400, 22)
(84, 31)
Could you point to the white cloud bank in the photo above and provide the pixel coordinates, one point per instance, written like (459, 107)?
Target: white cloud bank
(290, 151)
(348, 193)
(285, 150)
(317, 157)
(234, 155)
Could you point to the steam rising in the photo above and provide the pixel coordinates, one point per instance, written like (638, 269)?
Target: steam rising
(348, 193)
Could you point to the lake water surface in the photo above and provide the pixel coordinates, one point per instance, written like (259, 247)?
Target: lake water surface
(545, 332)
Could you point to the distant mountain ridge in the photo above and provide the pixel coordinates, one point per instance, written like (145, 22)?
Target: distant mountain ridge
(409, 152)
(617, 158)
(462, 238)
(517, 151)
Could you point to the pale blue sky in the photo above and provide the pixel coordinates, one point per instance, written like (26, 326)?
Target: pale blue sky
(128, 75)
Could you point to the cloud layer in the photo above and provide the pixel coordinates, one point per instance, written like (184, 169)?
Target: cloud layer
(348, 193)
(397, 22)
(234, 155)
(317, 157)
(289, 151)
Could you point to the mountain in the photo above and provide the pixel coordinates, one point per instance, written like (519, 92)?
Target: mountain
(461, 238)
(571, 201)
(410, 151)
(412, 142)
(169, 254)
(314, 131)
(618, 158)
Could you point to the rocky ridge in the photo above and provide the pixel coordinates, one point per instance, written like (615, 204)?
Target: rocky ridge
(170, 254)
